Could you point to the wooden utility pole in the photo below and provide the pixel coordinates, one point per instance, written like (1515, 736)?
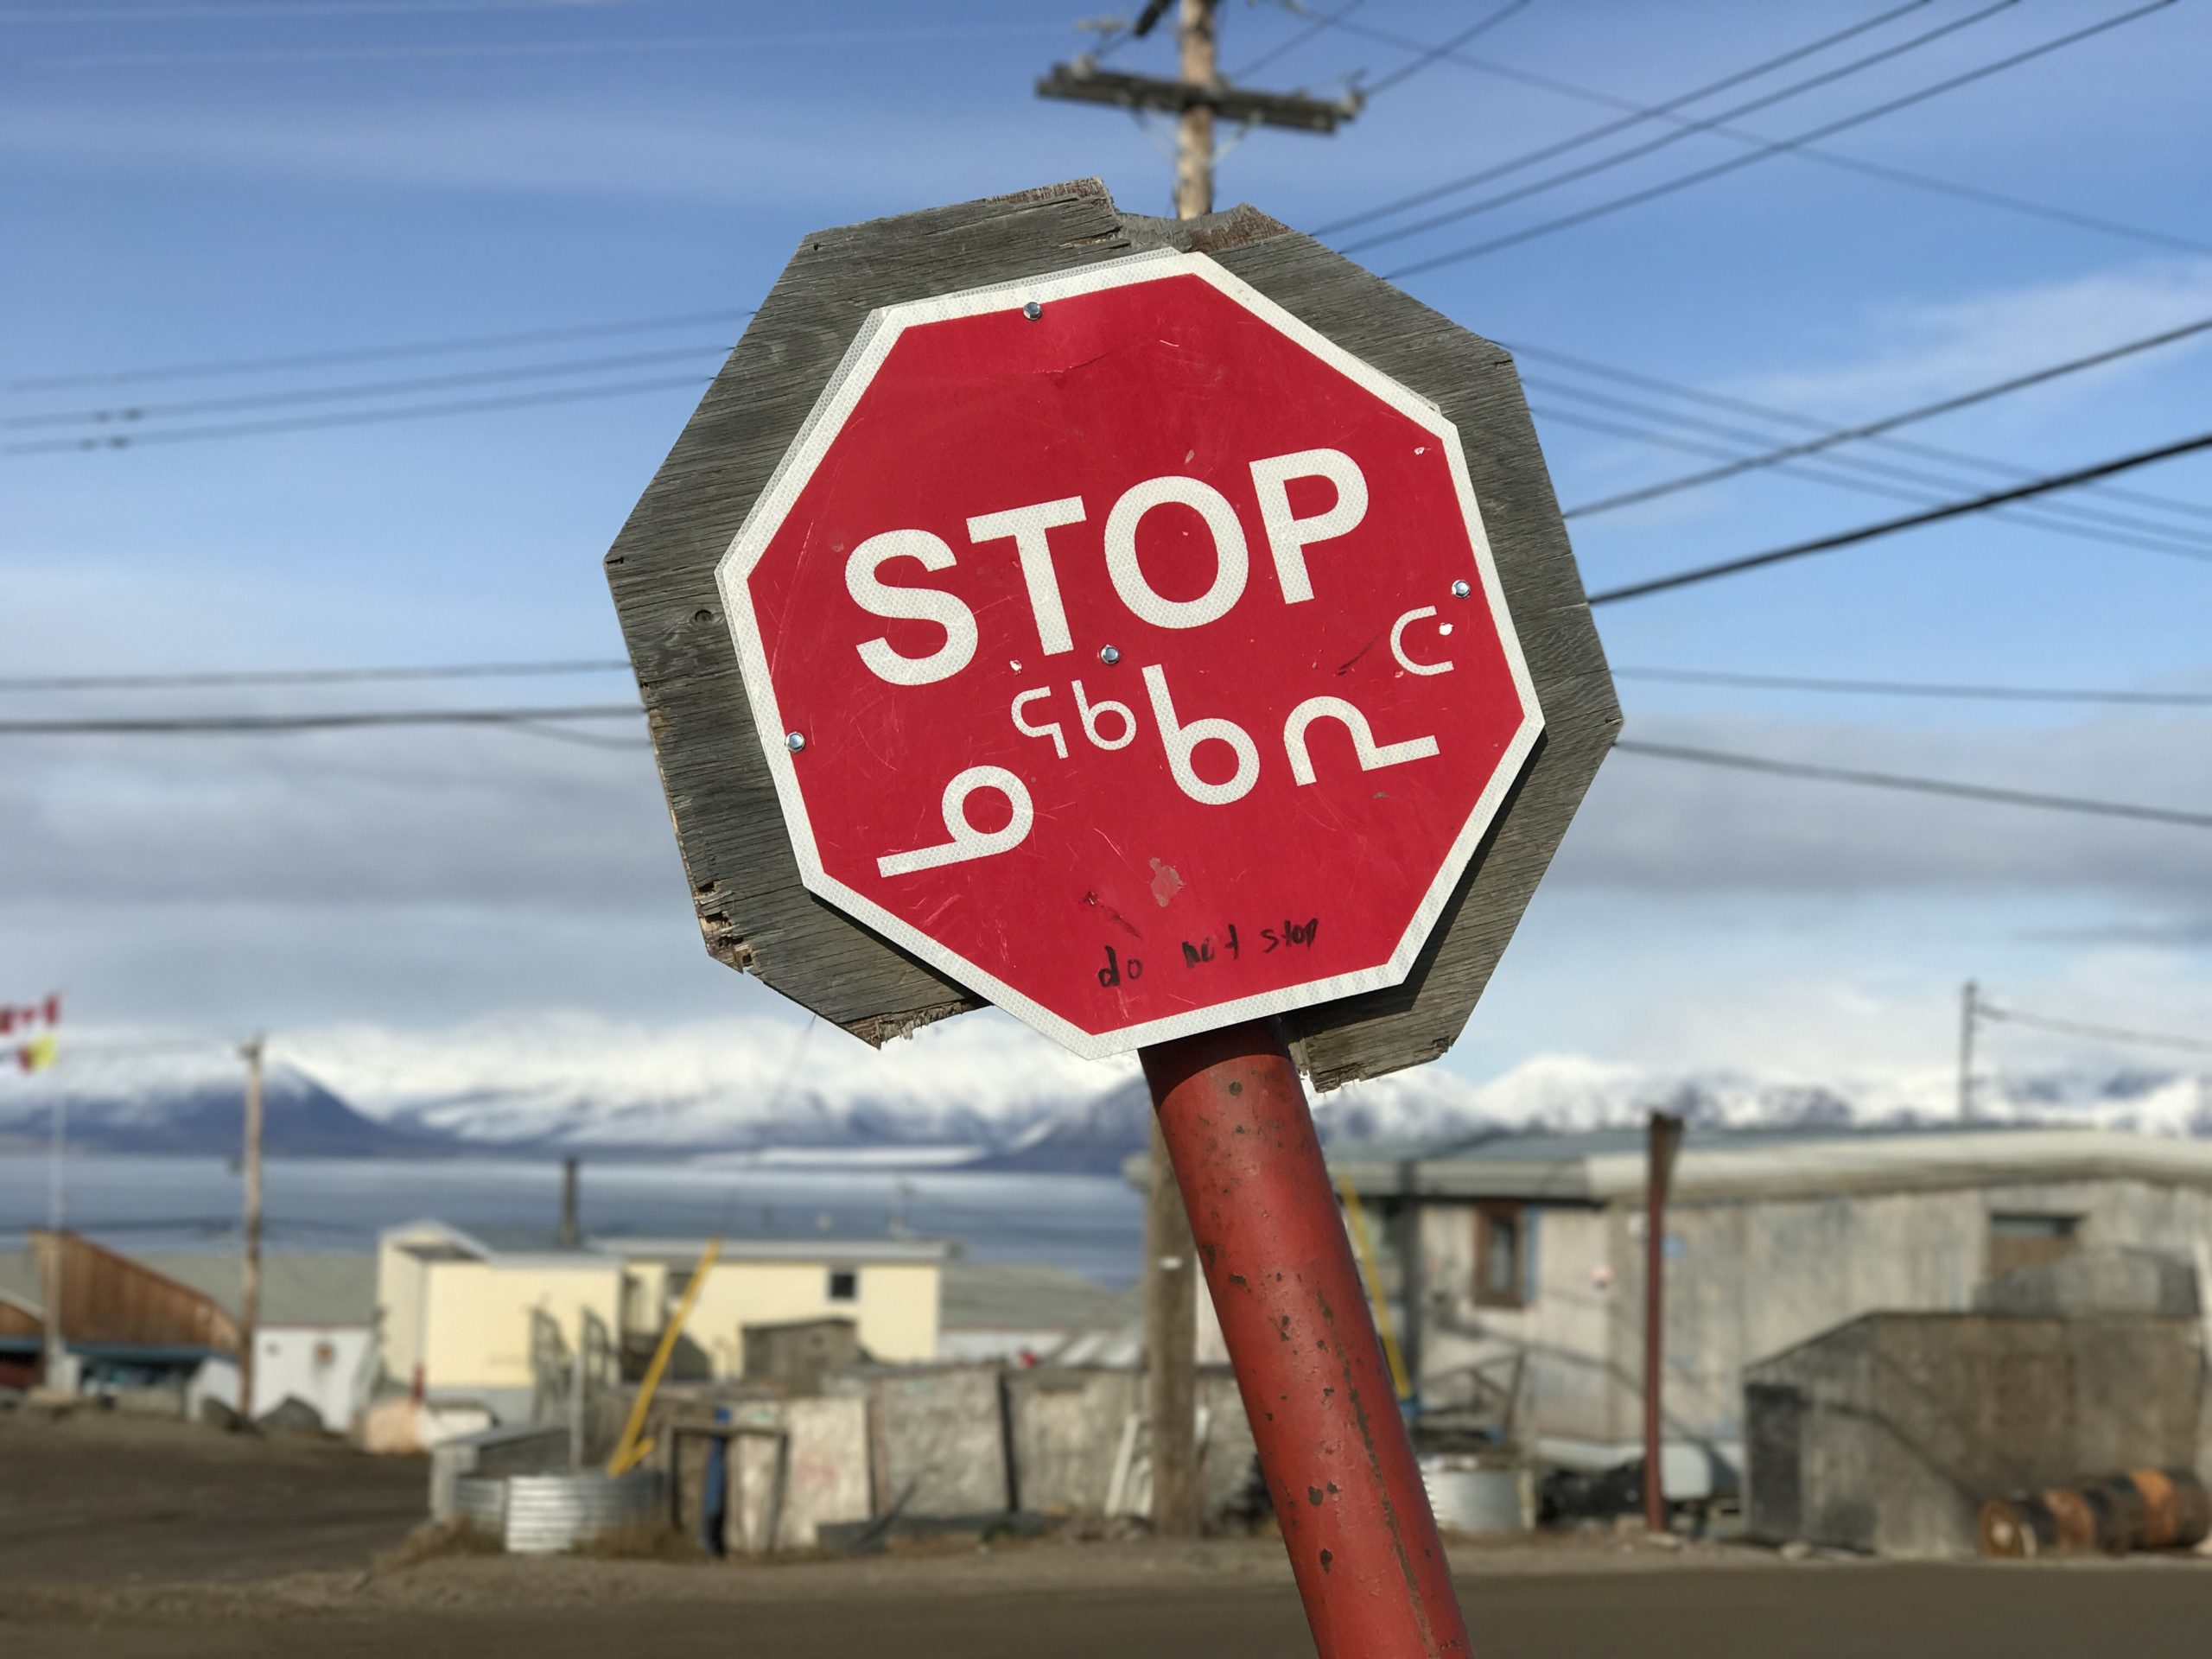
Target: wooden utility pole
(571, 1231)
(54, 1349)
(1196, 97)
(1170, 1302)
(1969, 1009)
(1664, 1138)
(250, 1279)
(1198, 40)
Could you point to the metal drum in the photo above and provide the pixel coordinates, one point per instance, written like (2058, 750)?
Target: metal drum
(2017, 1528)
(543, 1515)
(1469, 1497)
(2192, 1509)
(2076, 1517)
(2146, 1508)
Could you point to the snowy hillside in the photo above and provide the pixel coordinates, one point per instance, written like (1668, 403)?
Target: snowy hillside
(978, 1083)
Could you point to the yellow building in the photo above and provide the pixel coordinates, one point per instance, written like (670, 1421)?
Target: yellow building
(462, 1320)
(888, 1288)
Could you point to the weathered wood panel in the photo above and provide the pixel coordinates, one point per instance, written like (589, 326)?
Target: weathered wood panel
(107, 1298)
(754, 911)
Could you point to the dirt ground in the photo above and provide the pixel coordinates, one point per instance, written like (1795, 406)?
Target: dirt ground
(122, 1541)
(103, 1496)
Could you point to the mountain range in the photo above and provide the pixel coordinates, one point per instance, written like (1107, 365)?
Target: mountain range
(978, 1089)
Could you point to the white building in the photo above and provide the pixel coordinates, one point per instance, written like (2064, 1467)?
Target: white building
(316, 1342)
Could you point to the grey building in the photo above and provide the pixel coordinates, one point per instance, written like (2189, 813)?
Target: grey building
(1514, 1264)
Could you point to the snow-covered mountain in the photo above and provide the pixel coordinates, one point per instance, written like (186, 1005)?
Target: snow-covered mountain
(980, 1083)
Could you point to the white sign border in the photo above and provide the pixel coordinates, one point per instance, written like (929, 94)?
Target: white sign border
(862, 359)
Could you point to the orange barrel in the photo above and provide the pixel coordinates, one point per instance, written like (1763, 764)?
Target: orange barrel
(2161, 1516)
(2016, 1528)
(2192, 1509)
(2073, 1517)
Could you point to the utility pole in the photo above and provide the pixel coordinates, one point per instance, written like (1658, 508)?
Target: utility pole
(1196, 97)
(250, 1279)
(55, 1346)
(1969, 1009)
(1664, 1139)
(571, 1232)
(1198, 41)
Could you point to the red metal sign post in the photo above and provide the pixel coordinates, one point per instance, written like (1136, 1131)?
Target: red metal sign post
(1340, 1469)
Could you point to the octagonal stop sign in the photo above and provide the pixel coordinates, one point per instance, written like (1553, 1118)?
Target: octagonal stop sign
(1129, 652)
(1140, 626)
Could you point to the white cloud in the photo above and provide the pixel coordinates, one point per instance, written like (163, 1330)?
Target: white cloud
(1924, 350)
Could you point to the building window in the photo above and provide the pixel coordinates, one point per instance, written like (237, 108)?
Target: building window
(845, 1284)
(1501, 1254)
(2017, 1241)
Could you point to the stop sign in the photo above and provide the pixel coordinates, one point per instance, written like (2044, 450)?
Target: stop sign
(1129, 652)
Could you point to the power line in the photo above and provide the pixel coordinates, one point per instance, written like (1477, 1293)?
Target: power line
(1890, 423)
(1605, 129)
(1406, 71)
(1651, 193)
(1911, 784)
(1319, 24)
(1688, 130)
(584, 47)
(1798, 418)
(2083, 1028)
(255, 725)
(308, 676)
(359, 417)
(271, 365)
(2118, 529)
(284, 11)
(132, 412)
(1911, 521)
(1943, 689)
(1492, 67)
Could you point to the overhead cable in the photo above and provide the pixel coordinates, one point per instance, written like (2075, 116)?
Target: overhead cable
(1938, 688)
(2084, 1028)
(1422, 61)
(1800, 419)
(250, 725)
(1492, 67)
(1890, 423)
(1736, 163)
(127, 413)
(1912, 784)
(307, 676)
(1688, 130)
(1317, 24)
(1911, 521)
(1605, 129)
(320, 359)
(584, 46)
(134, 440)
(2059, 517)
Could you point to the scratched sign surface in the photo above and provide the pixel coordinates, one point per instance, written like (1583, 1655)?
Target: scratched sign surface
(1129, 652)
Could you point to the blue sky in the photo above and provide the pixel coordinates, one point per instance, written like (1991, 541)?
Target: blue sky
(182, 182)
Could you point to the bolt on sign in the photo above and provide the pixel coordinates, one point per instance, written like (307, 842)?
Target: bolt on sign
(1141, 625)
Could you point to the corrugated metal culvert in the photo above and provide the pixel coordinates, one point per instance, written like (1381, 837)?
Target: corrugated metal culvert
(1470, 1497)
(543, 1515)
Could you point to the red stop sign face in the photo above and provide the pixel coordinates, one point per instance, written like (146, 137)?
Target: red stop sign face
(1128, 652)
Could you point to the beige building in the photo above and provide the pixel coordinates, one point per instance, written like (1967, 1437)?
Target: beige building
(465, 1321)
(887, 1287)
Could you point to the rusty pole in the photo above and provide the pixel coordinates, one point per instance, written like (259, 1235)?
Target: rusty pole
(1339, 1466)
